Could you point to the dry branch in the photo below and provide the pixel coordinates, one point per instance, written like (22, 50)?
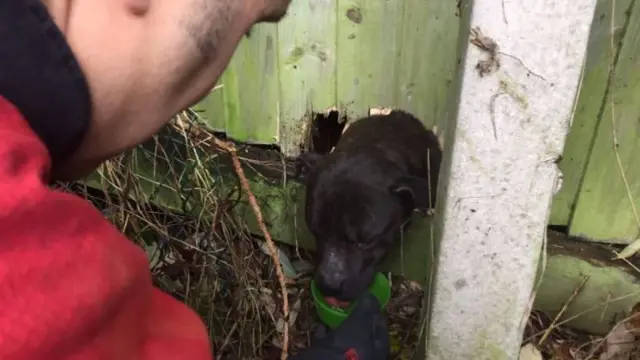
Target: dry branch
(231, 149)
(575, 293)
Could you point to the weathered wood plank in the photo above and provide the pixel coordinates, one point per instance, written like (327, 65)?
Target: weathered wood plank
(251, 88)
(427, 59)
(386, 54)
(587, 115)
(211, 109)
(369, 41)
(245, 102)
(307, 63)
(604, 211)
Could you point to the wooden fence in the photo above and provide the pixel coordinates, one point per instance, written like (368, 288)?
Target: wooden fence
(604, 141)
(352, 55)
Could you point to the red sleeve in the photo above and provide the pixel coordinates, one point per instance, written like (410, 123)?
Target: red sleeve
(71, 286)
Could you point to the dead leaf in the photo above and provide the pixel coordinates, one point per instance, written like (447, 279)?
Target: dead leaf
(633, 324)
(562, 352)
(275, 341)
(302, 266)
(629, 250)
(619, 343)
(287, 268)
(154, 254)
(530, 352)
(413, 286)
(266, 296)
(293, 315)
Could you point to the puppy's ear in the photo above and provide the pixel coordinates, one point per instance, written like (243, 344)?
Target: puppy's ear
(305, 163)
(413, 192)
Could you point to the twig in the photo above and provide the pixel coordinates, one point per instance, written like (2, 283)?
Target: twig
(591, 308)
(604, 339)
(523, 65)
(227, 339)
(629, 263)
(490, 46)
(553, 325)
(231, 149)
(492, 110)
(504, 13)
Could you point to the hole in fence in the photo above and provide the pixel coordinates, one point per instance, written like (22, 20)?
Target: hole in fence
(563, 229)
(326, 130)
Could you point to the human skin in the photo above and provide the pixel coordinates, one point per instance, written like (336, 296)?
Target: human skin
(146, 60)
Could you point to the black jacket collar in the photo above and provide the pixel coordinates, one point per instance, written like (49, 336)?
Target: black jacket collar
(40, 75)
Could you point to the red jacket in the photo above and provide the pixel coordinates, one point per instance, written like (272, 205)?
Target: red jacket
(72, 286)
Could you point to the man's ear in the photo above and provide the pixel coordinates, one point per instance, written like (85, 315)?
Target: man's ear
(413, 192)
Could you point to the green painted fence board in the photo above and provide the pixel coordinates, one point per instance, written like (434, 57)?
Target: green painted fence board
(586, 118)
(348, 54)
(307, 62)
(369, 42)
(427, 59)
(603, 209)
(212, 109)
(251, 88)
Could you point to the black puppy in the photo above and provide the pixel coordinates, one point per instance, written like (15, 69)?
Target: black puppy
(361, 195)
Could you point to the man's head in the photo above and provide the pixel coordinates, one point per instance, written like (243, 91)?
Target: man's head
(146, 60)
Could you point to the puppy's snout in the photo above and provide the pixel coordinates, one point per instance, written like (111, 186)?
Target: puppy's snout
(330, 283)
(332, 272)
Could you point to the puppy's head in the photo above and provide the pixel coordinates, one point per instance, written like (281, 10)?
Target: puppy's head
(355, 225)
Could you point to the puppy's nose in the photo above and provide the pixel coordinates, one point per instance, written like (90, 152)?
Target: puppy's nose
(330, 283)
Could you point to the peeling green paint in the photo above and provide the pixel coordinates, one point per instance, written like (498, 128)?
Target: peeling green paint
(296, 54)
(355, 14)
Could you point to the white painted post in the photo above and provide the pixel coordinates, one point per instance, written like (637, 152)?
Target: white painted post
(510, 129)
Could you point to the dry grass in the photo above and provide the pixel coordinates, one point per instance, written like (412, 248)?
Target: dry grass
(561, 342)
(564, 343)
(176, 196)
